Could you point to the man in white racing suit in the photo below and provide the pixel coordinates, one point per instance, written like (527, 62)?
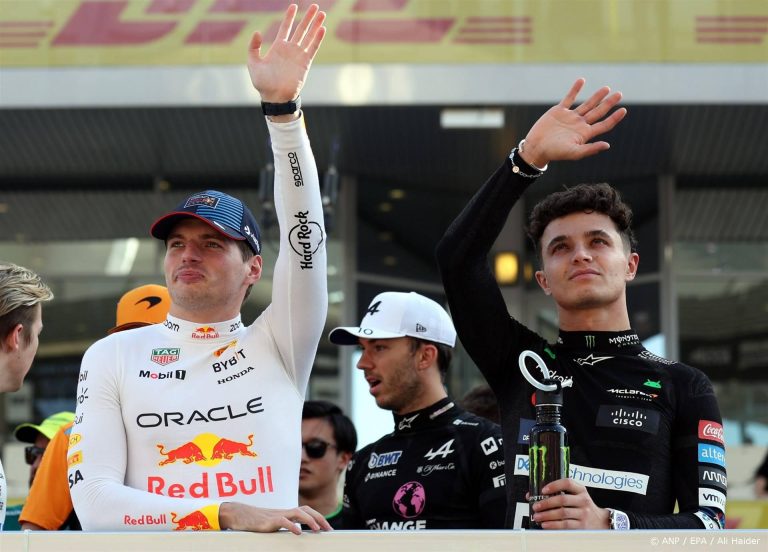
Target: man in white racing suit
(195, 423)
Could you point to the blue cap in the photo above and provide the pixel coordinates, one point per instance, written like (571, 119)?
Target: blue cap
(221, 211)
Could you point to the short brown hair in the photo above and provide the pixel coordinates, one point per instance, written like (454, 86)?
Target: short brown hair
(444, 354)
(587, 198)
(21, 290)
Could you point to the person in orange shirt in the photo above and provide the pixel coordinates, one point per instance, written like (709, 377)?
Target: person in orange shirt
(49, 505)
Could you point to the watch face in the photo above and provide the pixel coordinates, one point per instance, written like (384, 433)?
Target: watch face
(620, 521)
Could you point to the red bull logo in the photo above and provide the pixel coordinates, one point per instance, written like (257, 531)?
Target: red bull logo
(207, 449)
(145, 520)
(214, 484)
(204, 519)
(226, 449)
(187, 453)
(195, 521)
(205, 332)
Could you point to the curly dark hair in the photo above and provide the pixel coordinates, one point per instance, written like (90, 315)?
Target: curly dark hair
(588, 198)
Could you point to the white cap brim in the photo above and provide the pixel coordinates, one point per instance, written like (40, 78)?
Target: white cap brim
(350, 335)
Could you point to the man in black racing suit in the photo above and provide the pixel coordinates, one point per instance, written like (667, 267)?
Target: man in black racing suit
(442, 467)
(645, 432)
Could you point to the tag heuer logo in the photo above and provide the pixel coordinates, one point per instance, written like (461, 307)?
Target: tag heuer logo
(164, 356)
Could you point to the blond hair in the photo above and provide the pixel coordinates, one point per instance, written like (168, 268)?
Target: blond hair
(21, 290)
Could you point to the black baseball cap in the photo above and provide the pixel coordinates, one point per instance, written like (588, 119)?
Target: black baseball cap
(222, 212)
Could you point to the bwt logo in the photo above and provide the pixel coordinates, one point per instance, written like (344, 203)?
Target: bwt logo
(298, 181)
(384, 459)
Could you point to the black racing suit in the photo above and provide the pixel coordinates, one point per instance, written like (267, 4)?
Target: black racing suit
(442, 468)
(644, 431)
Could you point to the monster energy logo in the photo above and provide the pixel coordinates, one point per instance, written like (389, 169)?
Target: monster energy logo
(537, 455)
(590, 339)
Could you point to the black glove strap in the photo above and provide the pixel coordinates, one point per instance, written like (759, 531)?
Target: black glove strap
(286, 108)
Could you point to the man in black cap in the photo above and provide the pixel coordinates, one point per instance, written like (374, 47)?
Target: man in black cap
(195, 423)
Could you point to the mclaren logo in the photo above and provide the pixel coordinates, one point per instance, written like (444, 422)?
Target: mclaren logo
(591, 360)
(152, 300)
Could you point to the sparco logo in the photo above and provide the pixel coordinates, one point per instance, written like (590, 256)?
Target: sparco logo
(305, 239)
(171, 374)
(711, 431)
(622, 340)
(298, 181)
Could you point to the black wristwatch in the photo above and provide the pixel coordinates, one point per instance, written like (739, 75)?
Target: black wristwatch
(286, 108)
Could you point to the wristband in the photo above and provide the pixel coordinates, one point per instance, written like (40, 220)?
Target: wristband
(286, 108)
(516, 169)
(521, 149)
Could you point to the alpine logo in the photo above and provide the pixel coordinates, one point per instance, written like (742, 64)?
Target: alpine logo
(591, 360)
(443, 451)
(164, 356)
(711, 431)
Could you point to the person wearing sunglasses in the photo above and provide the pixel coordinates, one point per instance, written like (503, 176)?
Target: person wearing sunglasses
(442, 467)
(22, 293)
(39, 436)
(329, 440)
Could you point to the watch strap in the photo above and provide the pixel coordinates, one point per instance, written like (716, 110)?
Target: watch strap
(285, 108)
(619, 520)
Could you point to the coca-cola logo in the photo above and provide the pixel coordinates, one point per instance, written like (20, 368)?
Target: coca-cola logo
(712, 431)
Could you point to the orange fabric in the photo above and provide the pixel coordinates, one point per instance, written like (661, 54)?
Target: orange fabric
(49, 504)
(141, 306)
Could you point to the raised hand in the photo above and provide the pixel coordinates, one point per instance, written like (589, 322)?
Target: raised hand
(279, 74)
(565, 133)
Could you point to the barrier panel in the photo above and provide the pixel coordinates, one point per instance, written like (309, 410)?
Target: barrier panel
(381, 541)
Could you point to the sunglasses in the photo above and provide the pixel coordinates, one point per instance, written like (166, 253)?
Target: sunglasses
(32, 453)
(316, 448)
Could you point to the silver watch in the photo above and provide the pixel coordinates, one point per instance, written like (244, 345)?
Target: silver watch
(619, 520)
